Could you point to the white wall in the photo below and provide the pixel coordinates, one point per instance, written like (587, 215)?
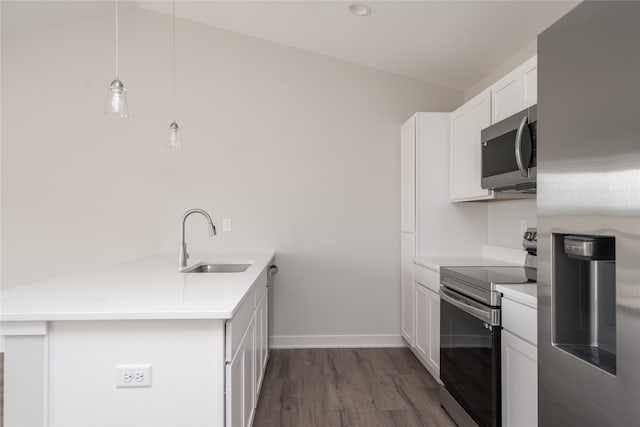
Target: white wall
(503, 221)
(502, 69)
(300, 150)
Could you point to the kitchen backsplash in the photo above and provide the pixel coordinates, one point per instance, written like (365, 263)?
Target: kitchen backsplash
(504, 221)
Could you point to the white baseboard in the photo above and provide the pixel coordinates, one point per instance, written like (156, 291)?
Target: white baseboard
(335, 341)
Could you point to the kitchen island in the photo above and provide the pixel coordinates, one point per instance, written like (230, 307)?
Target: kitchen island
(195, 345)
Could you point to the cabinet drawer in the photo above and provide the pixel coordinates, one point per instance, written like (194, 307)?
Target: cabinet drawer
(426, 277)
(520, 320)
(236, 327)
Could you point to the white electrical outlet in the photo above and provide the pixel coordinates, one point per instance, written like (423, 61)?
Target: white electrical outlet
(133, 375)
(226, 224)
(523, 226)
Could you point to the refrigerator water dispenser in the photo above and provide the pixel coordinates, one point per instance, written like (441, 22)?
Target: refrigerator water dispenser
(584, 298)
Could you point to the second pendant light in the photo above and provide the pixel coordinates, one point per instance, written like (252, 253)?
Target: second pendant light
(174, 140)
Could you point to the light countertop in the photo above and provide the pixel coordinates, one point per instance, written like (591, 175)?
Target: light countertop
(434, 263)
(145, 288)
(524, 294)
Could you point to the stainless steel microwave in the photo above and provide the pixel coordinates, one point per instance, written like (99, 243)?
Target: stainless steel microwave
(509, 153)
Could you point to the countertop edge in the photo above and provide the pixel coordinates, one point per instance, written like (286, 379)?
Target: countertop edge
(516, 294)
(64, 317)
(435, 263)
(197, 313)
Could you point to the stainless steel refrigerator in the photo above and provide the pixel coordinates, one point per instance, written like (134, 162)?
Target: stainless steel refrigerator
(589, 217)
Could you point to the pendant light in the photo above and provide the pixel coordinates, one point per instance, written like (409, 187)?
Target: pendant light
(116, 105)
(174, 130)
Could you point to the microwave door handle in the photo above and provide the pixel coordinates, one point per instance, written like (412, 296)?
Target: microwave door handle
(521, 167)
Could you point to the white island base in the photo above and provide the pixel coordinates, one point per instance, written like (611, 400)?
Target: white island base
(203, 371)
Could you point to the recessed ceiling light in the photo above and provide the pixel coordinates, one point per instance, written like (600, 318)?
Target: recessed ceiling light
(360, 9)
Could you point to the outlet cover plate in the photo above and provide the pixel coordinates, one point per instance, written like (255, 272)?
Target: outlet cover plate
(133, 375)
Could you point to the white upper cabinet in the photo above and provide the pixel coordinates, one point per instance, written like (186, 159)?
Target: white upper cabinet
(515, 91)
(466, 124)
(512, 93)
(460, 158)
(408, 176)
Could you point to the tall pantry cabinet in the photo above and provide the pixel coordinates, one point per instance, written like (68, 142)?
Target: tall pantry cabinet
(431, 226)
(408, 223)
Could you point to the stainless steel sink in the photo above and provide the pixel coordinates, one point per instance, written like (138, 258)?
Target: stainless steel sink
(205, 267)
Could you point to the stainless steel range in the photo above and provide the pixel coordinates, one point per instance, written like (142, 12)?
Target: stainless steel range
(470, 325)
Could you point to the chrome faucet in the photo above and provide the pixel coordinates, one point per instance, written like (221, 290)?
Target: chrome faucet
(182, 260)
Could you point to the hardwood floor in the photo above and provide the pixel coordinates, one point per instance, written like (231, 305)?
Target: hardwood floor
(373, 387)
(348, 387)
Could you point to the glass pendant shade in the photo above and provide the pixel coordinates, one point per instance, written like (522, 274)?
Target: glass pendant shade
(174, 136)
(116, 105)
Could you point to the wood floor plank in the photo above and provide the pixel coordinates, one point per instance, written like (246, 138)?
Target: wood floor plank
(348, 388)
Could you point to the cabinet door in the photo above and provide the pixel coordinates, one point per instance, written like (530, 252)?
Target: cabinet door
(249, 376)
(459, 172)
(407, 253)
(479, 111)
(422, 328)
(233, 392)
(408, 176)
(515, 91)
(466, 163)
(433, 354)
(506, 96)
(265, 332)
(530, 82)
(519, 382)
(240, 382)
(261, 340)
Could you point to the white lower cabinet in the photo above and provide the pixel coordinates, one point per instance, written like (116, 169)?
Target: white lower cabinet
(421, 300)
(433, 355)
(519, 382)
(427, 328)
(249, 376)
(426, 318)
(262, 339)
(519, 365)
(240, 386)
(407, 253)
(246, 365)
(233, 391)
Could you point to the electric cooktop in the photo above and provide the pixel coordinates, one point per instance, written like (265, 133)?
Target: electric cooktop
(479, 282)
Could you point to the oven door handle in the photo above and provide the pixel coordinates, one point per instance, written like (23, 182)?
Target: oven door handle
(488, 315)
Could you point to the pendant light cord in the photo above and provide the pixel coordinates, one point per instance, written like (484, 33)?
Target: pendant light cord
(174, 60)
(117, 76)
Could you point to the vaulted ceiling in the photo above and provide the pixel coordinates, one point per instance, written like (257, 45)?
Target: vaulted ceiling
(451, 43)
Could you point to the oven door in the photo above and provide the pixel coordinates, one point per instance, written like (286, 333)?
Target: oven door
(470, 356)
